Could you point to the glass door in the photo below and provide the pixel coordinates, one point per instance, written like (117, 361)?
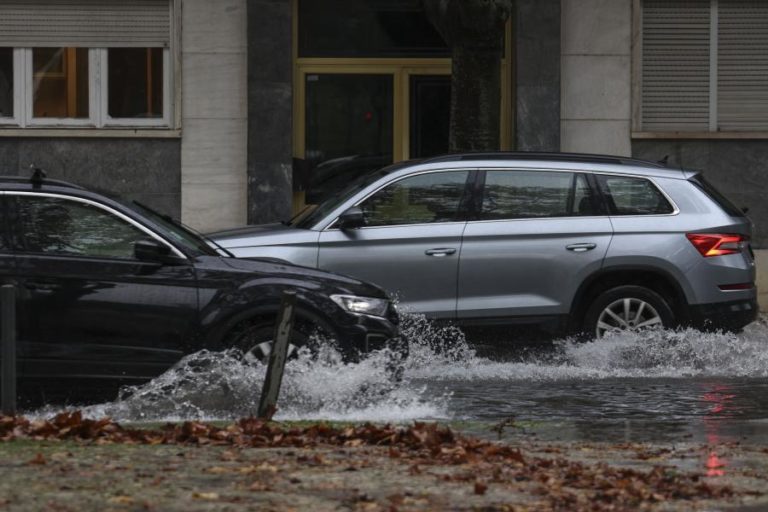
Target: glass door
(348, 130)
(429, 109)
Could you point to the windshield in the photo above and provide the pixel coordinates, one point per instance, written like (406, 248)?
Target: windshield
(172, 230)
(312, 215)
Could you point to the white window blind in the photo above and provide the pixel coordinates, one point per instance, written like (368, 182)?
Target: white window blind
(676, 65)
(742, 65)
(85, 23)
(704, 65)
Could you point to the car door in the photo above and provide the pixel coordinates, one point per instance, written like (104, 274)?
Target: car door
(411, 242)
(87, 307)
(538, 234)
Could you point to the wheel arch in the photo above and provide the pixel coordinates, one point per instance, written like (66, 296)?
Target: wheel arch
(304, 310)
(653, 278)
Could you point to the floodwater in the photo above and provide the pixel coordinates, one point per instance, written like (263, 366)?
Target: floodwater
(653, 386)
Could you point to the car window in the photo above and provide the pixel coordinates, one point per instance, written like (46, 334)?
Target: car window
(50, 225)
(633, 196)
(527, 194)
(423, 199)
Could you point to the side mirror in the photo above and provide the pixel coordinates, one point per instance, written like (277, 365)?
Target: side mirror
(154, 252)
(351, 219)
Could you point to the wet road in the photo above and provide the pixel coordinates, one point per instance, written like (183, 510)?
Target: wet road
(654, 386)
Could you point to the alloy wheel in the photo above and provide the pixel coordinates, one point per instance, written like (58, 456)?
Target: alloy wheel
(628, 314)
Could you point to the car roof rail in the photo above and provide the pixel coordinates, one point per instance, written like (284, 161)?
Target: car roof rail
(536, 155)
(38, 180)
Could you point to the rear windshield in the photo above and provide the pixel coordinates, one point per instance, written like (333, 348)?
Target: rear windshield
(724, 203)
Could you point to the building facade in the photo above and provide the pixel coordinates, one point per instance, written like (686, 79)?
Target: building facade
(240, 111)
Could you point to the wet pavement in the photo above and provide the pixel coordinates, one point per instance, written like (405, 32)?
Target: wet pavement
(656, 386)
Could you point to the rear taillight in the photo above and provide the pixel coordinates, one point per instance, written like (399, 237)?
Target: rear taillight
(712, 244)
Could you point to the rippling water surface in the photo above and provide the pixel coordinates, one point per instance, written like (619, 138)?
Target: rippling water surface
(646, 386)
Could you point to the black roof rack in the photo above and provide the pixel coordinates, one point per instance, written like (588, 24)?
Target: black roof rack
(533, 155)
(46, 181)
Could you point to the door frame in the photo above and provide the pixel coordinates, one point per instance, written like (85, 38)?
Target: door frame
(401, 69)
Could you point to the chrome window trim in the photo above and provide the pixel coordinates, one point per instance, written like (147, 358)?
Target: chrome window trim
(329, 226)
(103, 207)
(675, 208)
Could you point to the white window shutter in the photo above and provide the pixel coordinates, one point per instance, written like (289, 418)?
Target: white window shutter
(85, 23)
(675, 65)
(743, 65)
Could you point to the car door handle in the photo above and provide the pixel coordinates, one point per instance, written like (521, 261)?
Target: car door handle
(581, 247)
(440, 253)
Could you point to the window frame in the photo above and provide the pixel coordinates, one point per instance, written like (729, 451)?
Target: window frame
(98, 96)
(98, 123)
(18, 93)
(465, 203)
(5, 195)
(606, 206)
(637, 131)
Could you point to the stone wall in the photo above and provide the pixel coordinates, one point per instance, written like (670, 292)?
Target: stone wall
(148, 170)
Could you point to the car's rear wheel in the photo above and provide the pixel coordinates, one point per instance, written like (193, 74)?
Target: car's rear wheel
(255, 337)
(627, 309)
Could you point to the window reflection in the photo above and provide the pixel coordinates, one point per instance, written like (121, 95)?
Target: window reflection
(62, 227)
(633, 196)
(428, 198)
(520, 195)
(135, 82)
(6, 82)
(60, 82)
(348, 130)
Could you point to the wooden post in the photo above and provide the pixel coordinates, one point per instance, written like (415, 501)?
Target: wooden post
(277, 356)
(8, 349)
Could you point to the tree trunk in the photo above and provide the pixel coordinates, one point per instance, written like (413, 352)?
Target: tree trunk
(474, 30)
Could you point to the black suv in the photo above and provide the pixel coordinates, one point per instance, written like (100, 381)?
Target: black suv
(110, 292)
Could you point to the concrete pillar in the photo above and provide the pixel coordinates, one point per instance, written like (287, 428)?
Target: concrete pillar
(270, 110)
(596, 75)
(214, 115)
(537, 75)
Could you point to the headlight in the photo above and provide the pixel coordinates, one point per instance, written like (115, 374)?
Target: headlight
(362, 305)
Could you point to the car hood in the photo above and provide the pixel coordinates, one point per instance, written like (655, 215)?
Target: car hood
(306, 277)
(264, 234)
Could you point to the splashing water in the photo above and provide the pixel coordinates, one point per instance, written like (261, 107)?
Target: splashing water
(221, 385)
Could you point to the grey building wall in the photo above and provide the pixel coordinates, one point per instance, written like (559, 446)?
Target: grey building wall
(537, 75)
(736, 167)
(270, 110)
(148, 170)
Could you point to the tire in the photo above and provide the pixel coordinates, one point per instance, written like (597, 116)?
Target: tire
(627, 308)
(254, 337)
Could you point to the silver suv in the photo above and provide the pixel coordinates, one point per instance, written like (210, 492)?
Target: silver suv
(592, 243)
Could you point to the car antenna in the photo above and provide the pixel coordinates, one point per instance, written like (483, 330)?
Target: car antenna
(38, 176)
(664, 161)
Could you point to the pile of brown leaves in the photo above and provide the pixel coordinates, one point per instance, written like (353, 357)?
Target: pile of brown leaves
(563, 483)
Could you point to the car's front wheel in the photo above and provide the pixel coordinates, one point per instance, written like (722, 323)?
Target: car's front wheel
(627, 308)
(255, 337)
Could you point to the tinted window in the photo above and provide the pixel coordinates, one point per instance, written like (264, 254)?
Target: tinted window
(422, 199)
(49, 225)
(527, 194)
(633, 196)
(714, 194)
